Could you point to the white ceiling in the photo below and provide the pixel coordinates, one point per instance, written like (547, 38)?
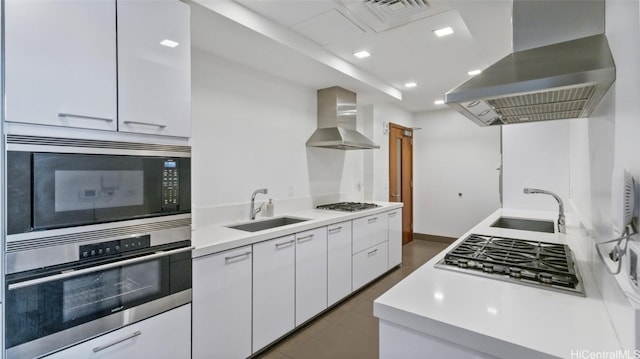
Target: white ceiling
(311, 42)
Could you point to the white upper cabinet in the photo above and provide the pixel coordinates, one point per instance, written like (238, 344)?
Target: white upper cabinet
(154, 62)
(61, 63)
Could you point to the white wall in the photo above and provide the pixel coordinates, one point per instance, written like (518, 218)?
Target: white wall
(453, 155)
(608, 142)
(376, 162)
(535, 155)
(249, 132)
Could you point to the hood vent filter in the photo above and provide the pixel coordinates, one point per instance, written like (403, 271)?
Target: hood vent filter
(552, 105)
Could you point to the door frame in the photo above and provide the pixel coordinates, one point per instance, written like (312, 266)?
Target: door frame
(406, 177)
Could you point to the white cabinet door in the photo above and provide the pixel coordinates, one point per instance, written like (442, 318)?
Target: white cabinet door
(395, 237)
(311, 273)
(369, 231)
(154, 76)
(165, 336)
(222, 304)
(338, 261)
(369, 264)
(273, 290)
(60, 63)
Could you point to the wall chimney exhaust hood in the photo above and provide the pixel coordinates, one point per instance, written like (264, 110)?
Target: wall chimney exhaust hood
(337, 122)
(560, 69)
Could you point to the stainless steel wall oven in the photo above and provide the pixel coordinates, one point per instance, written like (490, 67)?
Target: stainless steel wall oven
(101, 239)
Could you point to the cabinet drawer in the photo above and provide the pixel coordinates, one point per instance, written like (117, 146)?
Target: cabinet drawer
(167, 335)
(369, 264)
(369, 231)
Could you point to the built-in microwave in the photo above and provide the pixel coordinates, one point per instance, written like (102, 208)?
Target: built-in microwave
(58, 183)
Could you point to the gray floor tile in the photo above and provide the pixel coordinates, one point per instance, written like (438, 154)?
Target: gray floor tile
(349, 330)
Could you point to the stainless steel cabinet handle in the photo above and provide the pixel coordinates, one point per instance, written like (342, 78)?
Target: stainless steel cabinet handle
(305, 238)
(335, 230)
(278, 245)
(237, 256)
(144, 123)
(74, 273)
(117, 341)
(393, 214)
(371, 220)
(395, 195)
(372, 252)
(85, 117)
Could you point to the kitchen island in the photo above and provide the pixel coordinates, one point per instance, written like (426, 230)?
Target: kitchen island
(438, 313)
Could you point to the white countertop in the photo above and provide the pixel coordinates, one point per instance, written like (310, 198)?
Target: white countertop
(216, 238)
(503, 319)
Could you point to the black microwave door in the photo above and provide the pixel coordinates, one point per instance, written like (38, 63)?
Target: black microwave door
(76, 189)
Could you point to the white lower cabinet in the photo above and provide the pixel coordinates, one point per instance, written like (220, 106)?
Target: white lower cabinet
(222, 304)
(369, 231)
(369, 264)
(167, 335)
(338, 261)
(273, 290)
(395, 237)
(311, 273)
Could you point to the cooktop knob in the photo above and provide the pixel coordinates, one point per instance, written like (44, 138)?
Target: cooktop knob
(515, 272)
(545, 277)
(487, 267)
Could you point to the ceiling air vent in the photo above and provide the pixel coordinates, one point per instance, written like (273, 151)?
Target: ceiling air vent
(382, 15)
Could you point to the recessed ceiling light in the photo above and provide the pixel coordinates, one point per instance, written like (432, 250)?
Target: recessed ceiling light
(444, 31)
(474, 72)
(168, 43)
(410, 84)
(439, 102)
(362, 54)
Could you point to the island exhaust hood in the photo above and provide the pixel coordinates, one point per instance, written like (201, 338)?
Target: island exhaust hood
(337, 122)
(560, 69)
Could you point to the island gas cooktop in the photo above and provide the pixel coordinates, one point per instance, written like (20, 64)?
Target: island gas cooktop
(539, 264)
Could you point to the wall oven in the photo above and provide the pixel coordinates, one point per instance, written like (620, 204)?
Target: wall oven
(101, 239)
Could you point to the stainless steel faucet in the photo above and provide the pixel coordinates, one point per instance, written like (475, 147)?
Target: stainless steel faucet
(562, 228)
(253, 211)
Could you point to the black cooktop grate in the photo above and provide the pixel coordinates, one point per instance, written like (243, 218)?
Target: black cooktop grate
(533, 262)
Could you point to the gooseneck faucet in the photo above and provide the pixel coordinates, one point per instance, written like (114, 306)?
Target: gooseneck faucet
(562, 228)
(253, 211)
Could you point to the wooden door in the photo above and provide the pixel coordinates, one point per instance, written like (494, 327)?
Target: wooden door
(401, 175)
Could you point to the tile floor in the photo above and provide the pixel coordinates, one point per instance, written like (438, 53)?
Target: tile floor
(350, 330)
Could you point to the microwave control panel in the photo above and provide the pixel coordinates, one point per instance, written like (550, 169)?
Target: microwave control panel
(170, 185)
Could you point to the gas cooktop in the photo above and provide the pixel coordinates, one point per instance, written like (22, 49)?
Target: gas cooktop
(348, 206)
(539, 264)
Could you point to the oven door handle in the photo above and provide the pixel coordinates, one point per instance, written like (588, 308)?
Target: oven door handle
(73, 273)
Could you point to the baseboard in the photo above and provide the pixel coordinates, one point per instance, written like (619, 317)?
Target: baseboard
(432, 238)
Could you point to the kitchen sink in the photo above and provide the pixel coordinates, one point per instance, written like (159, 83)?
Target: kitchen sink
(524, 224)
(267, 224)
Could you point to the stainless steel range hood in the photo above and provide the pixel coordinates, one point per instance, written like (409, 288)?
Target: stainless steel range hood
(337, 122)
(561, 67)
